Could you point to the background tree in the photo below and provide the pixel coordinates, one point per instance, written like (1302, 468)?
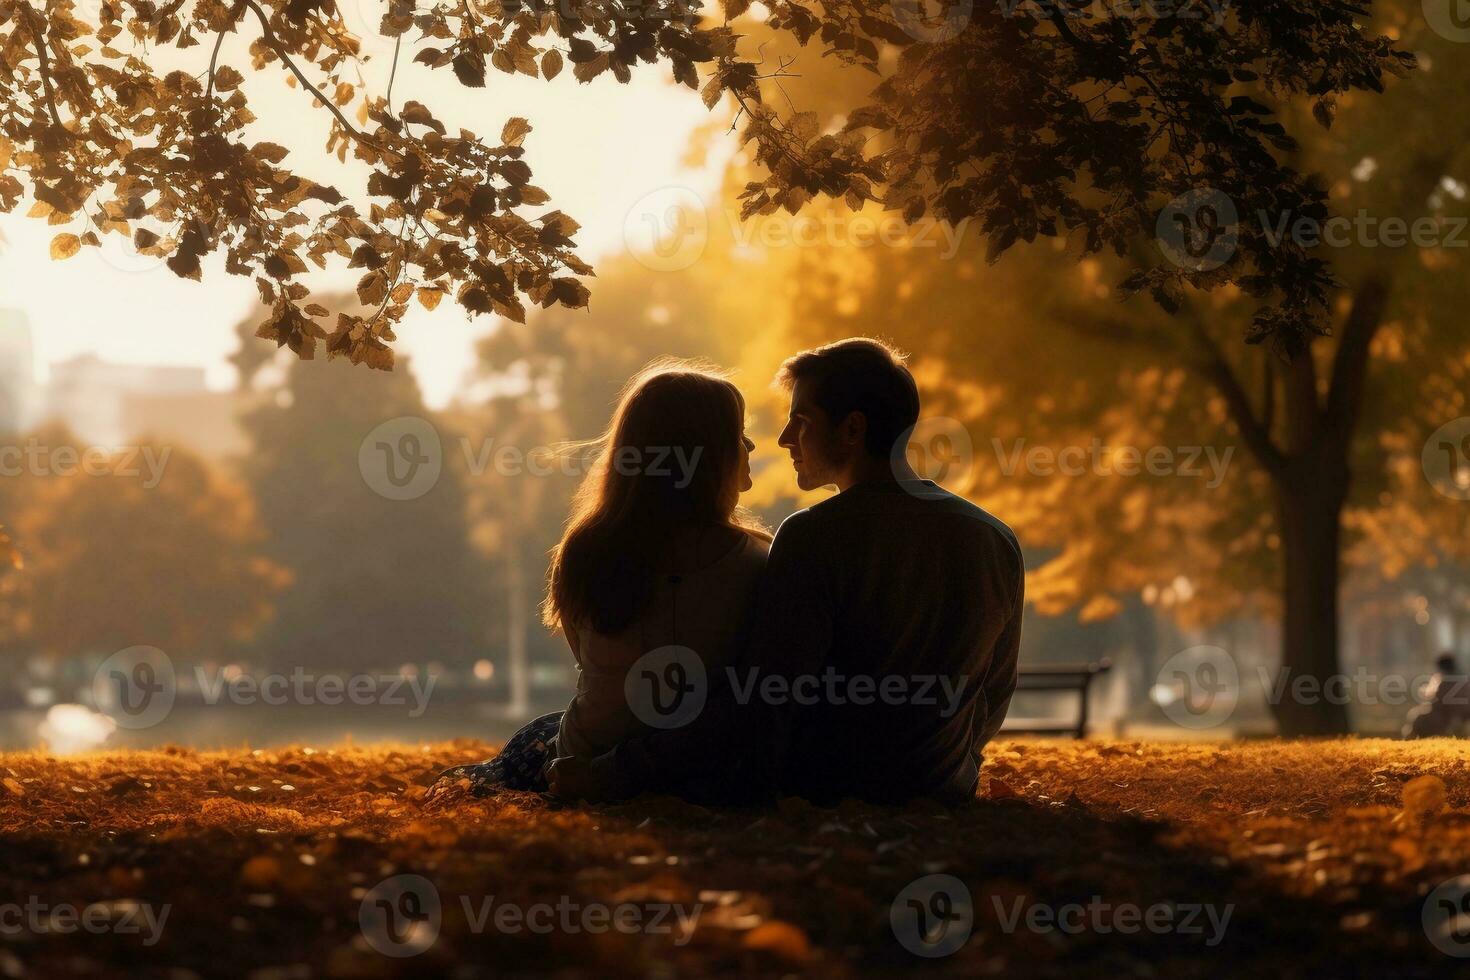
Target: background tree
(113, 560)
(376, 582)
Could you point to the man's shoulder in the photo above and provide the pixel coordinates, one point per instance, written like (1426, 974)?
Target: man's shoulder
(846, 509)
(986, 518)
(992, 529)
(800, 522)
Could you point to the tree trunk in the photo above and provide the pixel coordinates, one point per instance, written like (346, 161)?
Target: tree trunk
(518, 626)
(1310, 500)
(1312, 480)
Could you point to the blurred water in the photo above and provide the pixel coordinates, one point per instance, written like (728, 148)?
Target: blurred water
(228, 725)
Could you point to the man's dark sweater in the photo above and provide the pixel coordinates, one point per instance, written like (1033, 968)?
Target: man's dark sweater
(882, 658)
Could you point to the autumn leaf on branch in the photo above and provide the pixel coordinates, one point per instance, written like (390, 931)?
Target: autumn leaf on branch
(1080, 127)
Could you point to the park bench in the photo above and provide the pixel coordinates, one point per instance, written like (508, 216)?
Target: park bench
(1073, 678)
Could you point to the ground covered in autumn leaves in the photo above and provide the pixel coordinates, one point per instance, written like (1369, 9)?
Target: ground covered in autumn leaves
(269, 864)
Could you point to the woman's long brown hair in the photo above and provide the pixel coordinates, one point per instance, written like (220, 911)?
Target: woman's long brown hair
(670, 457)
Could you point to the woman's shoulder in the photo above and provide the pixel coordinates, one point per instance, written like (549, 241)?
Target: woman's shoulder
(751, 554)
(757, 545)
(745, 557)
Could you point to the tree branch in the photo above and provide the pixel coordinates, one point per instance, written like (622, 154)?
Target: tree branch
(38, 33)
(1365, 317)
(1217, 370)
(1089, 320)
(393, 74)
(219, 43)
(1350, 363)
(276, 46)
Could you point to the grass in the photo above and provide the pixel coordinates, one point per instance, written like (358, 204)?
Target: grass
(1320, 853)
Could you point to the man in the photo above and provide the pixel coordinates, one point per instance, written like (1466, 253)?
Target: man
(883, 648)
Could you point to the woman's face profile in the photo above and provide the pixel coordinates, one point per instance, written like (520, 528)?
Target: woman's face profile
(747, 446)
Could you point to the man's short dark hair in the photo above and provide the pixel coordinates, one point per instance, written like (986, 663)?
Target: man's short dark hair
(859, 375)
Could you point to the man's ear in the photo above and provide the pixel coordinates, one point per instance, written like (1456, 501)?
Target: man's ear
(853, 431)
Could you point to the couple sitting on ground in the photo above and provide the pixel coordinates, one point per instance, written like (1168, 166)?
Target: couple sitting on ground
(868, 650)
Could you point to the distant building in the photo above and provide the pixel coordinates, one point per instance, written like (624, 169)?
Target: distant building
(91, 396)
(204, 422)
(17, 372)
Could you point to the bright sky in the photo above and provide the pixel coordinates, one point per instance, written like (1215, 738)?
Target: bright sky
(597, 149)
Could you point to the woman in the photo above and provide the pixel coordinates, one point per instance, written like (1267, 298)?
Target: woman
(656, 555)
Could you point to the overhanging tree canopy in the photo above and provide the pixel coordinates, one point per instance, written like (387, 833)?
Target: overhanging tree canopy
(1030, 121)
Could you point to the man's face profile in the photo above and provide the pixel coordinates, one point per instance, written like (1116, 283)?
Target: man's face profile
(811, 439)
